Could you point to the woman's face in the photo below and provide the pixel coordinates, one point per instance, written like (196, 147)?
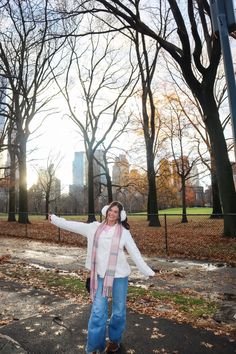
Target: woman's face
(113, 214)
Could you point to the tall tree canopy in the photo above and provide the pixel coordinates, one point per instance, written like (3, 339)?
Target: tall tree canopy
(196, 49)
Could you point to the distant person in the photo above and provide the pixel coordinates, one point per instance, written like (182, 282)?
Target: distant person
(109, 269)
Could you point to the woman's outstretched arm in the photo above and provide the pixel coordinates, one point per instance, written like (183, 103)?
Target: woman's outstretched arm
(81, 228)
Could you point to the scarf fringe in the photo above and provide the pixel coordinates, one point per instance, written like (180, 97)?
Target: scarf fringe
(107, 291)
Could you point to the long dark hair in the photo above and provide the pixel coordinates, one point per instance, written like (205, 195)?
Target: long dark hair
(120, 207)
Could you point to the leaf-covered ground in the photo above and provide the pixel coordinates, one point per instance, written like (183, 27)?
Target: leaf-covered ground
(201, 238)
(185, 305)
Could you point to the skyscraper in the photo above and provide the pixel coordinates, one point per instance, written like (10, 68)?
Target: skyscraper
(79, 169)
(120, 171)
(98, 171)
(194, 179)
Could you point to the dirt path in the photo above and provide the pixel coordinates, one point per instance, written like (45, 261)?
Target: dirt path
(214, 281)
(205, 277)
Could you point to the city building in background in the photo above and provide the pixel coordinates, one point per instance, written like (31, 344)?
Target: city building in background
(77, 204)
(120, 171)
(169, 184)
(120, 180)
(194, 176)
(129, 185)
(78, 173)
(197, 190)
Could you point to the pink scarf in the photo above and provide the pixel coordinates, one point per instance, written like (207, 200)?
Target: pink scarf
(110, 272)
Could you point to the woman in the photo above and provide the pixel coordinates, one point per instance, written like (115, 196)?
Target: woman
(109, 269)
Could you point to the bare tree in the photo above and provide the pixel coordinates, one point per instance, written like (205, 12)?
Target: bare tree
(3, 114)
(4, 122)
(13, 183)
(192, 44)
(177, 129)
(27, 52)
(110, 147)
(48, 183)
(193, 112)
(7, 143)
(147, 68)
(104, 86)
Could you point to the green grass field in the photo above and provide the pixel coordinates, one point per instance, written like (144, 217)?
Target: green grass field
(177, 211)
(189, 211)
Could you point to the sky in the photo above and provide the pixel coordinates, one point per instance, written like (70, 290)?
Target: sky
(57, 135)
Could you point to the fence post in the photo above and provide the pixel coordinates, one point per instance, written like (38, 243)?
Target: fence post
(166, 235)
(59, 235)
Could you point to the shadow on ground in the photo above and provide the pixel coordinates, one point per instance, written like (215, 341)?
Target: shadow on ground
(61, 327)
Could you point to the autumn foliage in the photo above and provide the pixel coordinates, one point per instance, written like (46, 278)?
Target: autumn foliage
(201, 238)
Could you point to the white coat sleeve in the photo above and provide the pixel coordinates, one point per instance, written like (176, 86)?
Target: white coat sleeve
(74, 226)
(136, 256)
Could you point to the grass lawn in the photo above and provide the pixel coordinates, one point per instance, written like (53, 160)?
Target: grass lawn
(171, 211)
(178, 211)
(189, 211)
(202, 210)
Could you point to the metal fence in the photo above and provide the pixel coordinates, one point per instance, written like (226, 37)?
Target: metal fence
(202, 234)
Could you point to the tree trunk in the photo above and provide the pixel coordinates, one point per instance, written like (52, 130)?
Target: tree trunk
(216, 204)
(12, 188)
(184, 209)
(91, 210)
(47, 198)
(109, 187)
(148, 207)
(224, 173)
(23, 195)
(152, 191)
(201, 85)
(223, 167)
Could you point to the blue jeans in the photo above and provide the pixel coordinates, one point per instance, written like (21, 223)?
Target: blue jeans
(99, 315)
